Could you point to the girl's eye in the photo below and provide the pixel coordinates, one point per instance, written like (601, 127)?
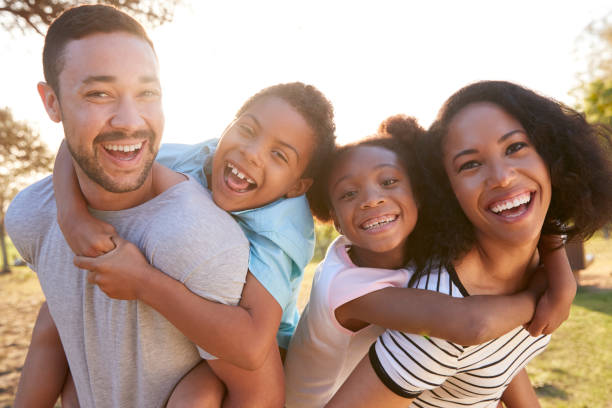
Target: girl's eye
(515, 147)
(468, 165)
(389, 182)
(348, 195)
(281, 155)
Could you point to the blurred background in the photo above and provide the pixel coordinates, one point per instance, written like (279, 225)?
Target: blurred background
(372, 60)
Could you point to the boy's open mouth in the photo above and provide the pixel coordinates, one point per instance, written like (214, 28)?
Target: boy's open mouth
(123, 152)
(513, 207)
(237, 180)
(378, 222)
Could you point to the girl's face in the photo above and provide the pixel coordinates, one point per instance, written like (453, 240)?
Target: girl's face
(372, 201)
(501, 182)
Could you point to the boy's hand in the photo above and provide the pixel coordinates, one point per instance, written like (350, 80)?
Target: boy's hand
(120, 273)
(550, 313)
(91, 238)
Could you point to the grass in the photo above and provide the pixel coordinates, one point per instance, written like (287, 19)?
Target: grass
(576, 369)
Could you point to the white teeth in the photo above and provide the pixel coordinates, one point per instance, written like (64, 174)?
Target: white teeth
(123, 148)
(239, 174)
(376, 222)
(512, 203)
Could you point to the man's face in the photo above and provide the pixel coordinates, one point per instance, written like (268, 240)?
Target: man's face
(110, 107)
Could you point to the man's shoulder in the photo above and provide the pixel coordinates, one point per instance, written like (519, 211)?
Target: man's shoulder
(33, 203)
(187, 209)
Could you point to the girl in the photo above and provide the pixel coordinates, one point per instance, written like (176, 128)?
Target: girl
(505, 166)
(372, 194)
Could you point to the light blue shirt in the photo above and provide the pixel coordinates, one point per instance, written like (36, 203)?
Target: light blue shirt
(281, 233)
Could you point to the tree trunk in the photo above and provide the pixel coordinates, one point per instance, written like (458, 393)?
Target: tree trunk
(5, 263)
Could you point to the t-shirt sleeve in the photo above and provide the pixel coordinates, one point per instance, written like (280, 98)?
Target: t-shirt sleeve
(409, 364)
(29, 215)
(353, 283)
(187, 159)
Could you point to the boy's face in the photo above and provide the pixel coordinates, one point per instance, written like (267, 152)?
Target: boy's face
(262, 156)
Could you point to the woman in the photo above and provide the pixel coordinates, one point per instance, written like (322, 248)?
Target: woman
(506, 165)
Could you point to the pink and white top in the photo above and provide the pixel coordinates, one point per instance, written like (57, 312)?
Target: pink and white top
(322, 353)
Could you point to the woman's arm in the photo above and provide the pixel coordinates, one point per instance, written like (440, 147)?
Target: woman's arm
(242, 335)
(45, 368)
(459, 320)
(554, 306)
(84, 234)
(520, 392)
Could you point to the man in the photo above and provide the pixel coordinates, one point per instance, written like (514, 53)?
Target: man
(102, 83)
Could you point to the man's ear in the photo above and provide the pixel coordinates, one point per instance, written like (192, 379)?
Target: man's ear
(50, 101)
(300, 187)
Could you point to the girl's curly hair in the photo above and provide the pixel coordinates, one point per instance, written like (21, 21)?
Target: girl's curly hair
(397, 133)
(578, 155)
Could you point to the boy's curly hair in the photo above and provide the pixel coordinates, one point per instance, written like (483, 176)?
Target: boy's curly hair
(316, 110)
(397, 133)
(578, 155)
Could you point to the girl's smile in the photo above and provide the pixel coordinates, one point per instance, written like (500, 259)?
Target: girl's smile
(373, 205)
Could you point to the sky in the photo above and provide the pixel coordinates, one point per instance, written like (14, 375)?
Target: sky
(371, 59)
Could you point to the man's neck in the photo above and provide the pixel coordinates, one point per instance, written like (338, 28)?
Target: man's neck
(101, 199)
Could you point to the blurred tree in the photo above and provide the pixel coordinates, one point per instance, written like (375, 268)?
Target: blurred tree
(22, 156)
(594, 50)
(597, 103)
(38, 14)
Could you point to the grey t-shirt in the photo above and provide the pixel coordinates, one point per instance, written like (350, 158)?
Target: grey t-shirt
(124, 353)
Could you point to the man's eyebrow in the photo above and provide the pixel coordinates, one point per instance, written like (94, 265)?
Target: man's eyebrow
(111, 78)
(99, 78)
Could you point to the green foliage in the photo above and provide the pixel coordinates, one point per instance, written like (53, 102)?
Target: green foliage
(22, 156)
(37, 15)
(325, 234)
(598, 101)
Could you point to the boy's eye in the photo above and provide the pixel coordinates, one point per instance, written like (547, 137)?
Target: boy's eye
(515, 147)
(247, 129)
(468, 165)
(348, 195)
(281, 155)
(389, 182)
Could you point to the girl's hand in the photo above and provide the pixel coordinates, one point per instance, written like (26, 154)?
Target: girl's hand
(88, 237)
(550, 312)
(120, 273)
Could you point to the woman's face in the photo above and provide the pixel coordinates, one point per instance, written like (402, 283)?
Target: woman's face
(501, 182)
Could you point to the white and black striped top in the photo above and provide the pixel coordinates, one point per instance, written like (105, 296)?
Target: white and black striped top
(443, 374)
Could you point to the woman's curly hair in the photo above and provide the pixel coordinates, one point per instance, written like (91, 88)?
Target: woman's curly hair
(398, 133)
(578, 155)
